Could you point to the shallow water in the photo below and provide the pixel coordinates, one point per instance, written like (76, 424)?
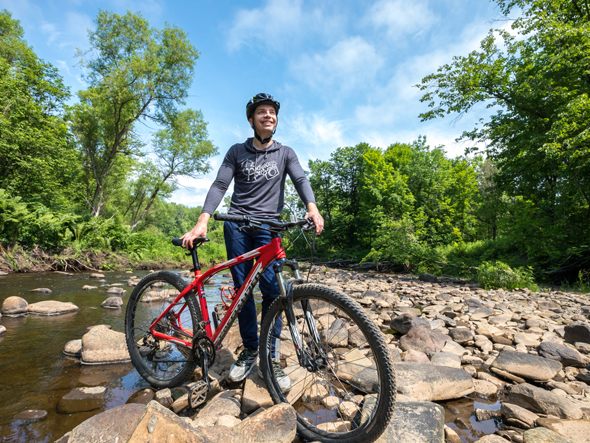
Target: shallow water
(34, 372)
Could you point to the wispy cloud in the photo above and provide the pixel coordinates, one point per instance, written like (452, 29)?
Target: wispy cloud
(281, 24)
(50, 30)
(400, 17)
(349, 64)
(269, 25)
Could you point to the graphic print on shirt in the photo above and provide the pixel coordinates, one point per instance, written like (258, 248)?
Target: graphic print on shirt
(268, 169)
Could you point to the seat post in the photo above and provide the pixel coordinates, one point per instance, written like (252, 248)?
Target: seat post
(195, 257)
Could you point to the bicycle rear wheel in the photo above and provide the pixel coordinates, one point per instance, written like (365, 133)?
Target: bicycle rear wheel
(162, 363)
(345, 393)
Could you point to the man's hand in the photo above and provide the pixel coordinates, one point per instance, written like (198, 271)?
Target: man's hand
(314, 214)
(200, 230)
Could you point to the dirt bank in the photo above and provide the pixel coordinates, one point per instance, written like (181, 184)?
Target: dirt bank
(17, 259)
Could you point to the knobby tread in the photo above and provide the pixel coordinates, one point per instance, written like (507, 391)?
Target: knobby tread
(388, 392)
(180, 284)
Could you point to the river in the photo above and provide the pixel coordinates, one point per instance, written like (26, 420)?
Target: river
(35, 374)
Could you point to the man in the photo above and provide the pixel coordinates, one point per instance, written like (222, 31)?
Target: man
(259, 168)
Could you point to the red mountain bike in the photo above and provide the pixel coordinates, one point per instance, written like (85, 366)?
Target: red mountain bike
(342, 380)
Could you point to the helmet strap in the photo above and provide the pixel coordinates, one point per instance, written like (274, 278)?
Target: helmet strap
(263, 140)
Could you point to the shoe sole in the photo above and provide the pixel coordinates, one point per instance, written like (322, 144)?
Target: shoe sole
(247, 372)
(283, 390)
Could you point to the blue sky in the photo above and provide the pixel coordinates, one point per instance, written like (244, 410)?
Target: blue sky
(344, 71)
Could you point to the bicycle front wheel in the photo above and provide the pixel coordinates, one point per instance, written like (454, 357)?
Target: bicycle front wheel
(344, 389)
(162, 363)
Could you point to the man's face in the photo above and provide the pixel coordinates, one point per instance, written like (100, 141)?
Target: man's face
(264, 119)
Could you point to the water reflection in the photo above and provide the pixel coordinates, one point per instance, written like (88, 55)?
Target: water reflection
(35, 374)
(465, 408)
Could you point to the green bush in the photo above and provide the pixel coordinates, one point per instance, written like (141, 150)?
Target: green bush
(494, 275)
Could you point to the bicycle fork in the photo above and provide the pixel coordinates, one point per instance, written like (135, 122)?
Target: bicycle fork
(306, 360)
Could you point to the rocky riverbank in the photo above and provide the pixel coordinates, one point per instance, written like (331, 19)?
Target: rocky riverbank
(529, 352)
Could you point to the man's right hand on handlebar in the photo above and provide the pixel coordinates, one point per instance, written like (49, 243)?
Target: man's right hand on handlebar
(200, 230)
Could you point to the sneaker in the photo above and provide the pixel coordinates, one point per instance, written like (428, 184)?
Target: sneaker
(241, 368)
(282, 379)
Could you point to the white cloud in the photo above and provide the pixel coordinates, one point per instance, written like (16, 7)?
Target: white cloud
(401, 17)
(312, 132)
(50, 30)
(349, 64)
(268, 25)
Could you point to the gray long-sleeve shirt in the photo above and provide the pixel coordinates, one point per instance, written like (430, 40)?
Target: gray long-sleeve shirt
(259, 175)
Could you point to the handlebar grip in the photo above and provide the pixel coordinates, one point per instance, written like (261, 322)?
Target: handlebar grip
(228, 217)
(177, 241)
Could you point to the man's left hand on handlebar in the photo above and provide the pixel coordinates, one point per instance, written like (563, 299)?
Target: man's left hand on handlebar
(314, 214)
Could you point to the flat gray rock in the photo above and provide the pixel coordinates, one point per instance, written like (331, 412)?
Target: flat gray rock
(566, 356)
(541, 401)
(52, 307)
(422, 338)
(403, 323)
(526, 365)
(82, 400)
(422, 382)
(42, 290)
(112, 303)
(577, 332)
(415, 422)
(544, 435)
(576, 430)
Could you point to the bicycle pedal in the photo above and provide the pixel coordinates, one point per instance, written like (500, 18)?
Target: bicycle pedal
(197, 394)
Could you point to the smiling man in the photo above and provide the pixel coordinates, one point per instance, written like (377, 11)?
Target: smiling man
(259, 168)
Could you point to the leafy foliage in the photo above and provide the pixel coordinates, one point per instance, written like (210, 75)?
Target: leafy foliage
(496, 275)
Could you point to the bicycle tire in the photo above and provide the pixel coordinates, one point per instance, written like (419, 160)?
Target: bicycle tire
(331, 427)
(162, 363)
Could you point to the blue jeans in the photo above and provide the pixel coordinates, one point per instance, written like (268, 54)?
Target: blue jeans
(238, 243)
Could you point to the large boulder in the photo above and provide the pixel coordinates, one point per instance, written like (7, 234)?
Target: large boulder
(101, 345)
(14, 306)
(117, 424)
(576, 333)
(52, 307)
(563, 354)
(422, 338)
(544, 435)
(277, 424)
(541, 401)
(160, 424)
(527, 366)
(577, 430)
(403, 323)
(415, 422)
(422, 382)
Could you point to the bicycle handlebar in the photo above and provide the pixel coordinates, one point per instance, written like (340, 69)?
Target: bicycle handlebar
(275, 224)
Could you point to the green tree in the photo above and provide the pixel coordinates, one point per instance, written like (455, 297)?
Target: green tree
(135, 73)
(181, 150)
(37, 158)
(537, 84)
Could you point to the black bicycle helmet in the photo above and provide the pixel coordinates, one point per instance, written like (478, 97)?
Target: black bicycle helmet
(259, 99)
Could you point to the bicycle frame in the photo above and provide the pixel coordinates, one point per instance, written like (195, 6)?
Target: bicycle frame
(265, 256)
